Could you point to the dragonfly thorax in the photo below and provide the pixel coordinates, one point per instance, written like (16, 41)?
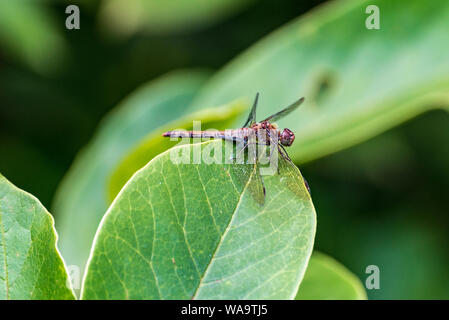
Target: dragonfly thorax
(262, 129)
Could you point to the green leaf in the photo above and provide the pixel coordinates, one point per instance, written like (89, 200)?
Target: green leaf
(357, 82)
(81, 199)
(216, 118)
(327, 279)
(125, 17)
(30, 264)
(183, 231)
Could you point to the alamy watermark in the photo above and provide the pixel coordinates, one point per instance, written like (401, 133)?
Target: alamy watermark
(373, 20)
(373, 280)
(73, 20)
(74, 277)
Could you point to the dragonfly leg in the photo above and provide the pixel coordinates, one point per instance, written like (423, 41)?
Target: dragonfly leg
(284, 153)
(233, 158)
(246, 146)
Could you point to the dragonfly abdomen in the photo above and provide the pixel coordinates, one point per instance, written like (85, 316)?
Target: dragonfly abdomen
(235, 135)
(194, 134)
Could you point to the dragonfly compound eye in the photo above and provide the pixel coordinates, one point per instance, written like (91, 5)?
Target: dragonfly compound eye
(287, 137)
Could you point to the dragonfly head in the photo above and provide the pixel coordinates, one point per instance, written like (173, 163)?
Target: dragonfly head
(287, 137)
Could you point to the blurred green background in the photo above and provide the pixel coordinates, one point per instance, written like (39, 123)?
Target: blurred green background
(382, 201)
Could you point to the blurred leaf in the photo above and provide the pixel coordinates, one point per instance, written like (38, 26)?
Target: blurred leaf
(31, 266)
(29, 32)
(327, 279)
(183, 231)
(81, 200)
(125, 17)
(215, 118)
(390, 196)
(357, 82)
(407, 241)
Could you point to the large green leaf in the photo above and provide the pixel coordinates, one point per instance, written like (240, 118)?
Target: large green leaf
(81, 200)
(30, 265)
(183, 231)
(127, 16)
(327, 279)
(213, 118)
(357, 82)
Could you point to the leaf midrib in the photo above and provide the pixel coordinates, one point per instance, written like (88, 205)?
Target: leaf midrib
(224, 233)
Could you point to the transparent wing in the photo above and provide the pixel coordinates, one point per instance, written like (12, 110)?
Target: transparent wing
(252, 114)
(284, 112)
(256, 187)
(246, 169)
(286, 164)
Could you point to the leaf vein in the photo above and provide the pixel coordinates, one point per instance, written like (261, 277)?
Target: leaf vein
(224, 233)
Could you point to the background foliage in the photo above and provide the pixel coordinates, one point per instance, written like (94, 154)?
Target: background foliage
(381, 201)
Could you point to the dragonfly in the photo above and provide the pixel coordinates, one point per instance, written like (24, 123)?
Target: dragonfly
(265, 132)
